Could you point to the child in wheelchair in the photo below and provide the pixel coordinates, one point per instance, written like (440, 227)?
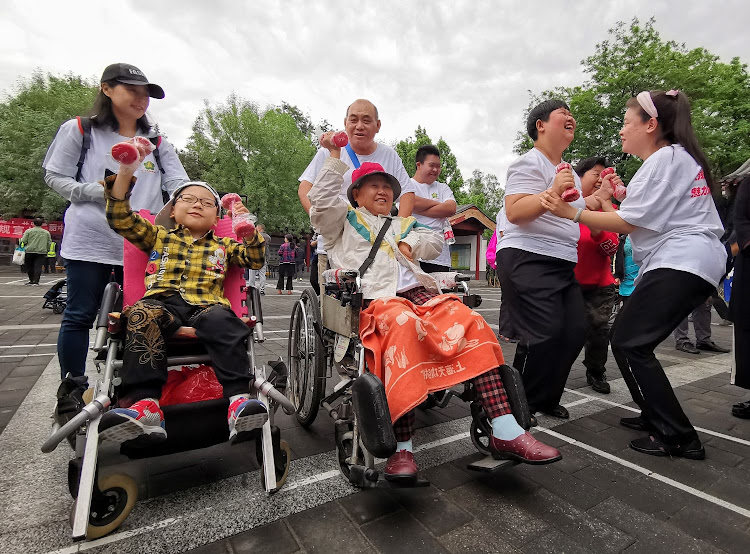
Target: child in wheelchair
(184, 286)
(417, 341)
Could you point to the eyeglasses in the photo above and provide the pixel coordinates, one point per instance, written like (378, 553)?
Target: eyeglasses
(190, 199)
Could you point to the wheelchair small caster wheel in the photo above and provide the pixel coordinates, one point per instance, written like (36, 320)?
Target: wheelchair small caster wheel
(110, 506)
(480, 432)
(58, 309)
(284, 455)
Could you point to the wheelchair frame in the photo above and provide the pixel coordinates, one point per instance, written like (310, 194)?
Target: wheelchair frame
(324, 334)
(116, 494)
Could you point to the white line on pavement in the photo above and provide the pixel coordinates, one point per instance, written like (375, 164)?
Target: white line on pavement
(22, 327)
(24, 296)
(652, 474)
(631, 409)
(29, 345)
(26, 355)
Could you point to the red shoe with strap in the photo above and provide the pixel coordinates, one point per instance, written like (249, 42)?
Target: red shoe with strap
(401, 467)
(524, 448)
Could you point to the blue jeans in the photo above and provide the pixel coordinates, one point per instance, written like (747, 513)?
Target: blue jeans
(86, 282)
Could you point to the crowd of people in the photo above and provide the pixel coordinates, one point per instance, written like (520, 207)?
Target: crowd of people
(554, 262)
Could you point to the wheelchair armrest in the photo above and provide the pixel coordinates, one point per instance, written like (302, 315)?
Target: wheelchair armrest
(341, 279)
(110, 298)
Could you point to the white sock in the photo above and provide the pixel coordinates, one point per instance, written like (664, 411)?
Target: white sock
(404, 445)
(506, 428)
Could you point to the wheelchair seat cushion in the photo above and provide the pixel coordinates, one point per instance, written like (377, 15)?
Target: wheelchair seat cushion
(416, 350)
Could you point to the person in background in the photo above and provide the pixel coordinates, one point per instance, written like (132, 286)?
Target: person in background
(739, 303)
(628, 272)
(594, 274)
(314, 283)
(49, 262)
(506, 330)
(259, 275)
(286, 264)
(701, 317)
(92, 251)
(299, 259)
(35, 241)
(434, 203)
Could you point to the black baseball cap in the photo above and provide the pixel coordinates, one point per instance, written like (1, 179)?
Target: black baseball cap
(131, 75)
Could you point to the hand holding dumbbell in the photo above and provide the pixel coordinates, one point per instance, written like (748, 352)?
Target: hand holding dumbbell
(571, 193)
(619, 191)
(333, 140)
(130, 153)
(243, 224)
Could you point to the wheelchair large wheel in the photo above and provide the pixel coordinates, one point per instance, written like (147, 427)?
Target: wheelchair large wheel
(307, 360)
(112, 506)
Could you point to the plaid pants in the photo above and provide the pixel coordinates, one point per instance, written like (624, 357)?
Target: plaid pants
(488, 386)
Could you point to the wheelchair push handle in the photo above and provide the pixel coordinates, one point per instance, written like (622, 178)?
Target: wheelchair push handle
(90, 411)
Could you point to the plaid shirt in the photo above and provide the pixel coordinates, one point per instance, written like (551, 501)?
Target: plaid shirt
(177, 262)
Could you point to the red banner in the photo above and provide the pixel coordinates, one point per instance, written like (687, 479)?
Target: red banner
(15, 227)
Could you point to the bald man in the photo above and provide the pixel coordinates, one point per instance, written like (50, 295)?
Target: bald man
(361, 125)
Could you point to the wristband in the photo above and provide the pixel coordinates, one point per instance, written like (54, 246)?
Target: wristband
(577, 217)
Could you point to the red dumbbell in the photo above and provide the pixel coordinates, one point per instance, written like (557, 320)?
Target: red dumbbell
(228, 200)
(607, 171)
(125, 153)
(339, 139)
(571, 194)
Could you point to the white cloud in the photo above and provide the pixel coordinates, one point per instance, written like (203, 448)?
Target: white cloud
(460, 69)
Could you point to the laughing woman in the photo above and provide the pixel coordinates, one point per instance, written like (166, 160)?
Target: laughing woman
(93, 252)
(669, 210)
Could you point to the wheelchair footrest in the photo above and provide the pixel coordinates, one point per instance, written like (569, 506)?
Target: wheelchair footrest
(488, 464)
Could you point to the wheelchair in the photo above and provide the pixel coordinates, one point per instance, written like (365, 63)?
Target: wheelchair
(324, 337)
(102, 504)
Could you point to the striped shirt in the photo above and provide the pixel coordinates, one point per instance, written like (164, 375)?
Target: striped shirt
(178, 263)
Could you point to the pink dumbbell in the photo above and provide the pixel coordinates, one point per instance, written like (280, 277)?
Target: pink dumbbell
(339, 139)
(125, 153)
(571, 194)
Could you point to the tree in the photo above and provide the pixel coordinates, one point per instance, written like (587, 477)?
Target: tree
(407, 151)
(484, 191)
(260, 153)
(635, 58)
(29, 119)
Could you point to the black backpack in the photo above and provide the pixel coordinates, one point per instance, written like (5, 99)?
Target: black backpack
(84, 125)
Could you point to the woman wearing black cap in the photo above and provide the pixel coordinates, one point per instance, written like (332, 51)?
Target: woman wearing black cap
(75, 163)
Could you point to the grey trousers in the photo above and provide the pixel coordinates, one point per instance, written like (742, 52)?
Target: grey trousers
(701, 324)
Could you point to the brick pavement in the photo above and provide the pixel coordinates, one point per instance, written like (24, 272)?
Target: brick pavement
(588, 502)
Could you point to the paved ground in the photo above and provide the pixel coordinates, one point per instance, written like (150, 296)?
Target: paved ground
(602, 497)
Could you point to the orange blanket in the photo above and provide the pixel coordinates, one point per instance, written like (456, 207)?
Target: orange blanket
(416, 350)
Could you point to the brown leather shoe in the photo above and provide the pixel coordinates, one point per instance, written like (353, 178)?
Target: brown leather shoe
(401, 467)
(525, 449)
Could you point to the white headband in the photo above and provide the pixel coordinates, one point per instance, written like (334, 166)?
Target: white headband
(647, 103)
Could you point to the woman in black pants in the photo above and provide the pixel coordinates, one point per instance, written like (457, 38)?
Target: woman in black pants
(535, 261)
(286, 265)
(668, 211)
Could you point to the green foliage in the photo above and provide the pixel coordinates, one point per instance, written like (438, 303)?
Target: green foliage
(260, 153)
(407, 151)
(635, 58)
(484, 191)
(29, 119)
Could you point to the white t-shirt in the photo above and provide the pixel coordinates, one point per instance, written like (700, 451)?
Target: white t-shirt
(547, 235)
(87, 235)
(677, 225)
(440, 192)
(500, 223)
(383, 155)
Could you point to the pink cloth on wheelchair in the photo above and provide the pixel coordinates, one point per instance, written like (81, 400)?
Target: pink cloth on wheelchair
(134, 270)
(416, 350)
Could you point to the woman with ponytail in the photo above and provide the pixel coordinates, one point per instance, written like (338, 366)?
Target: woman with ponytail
(669, 210)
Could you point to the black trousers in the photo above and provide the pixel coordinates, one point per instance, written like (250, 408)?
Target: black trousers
(505, 326)
(156, 318)
(662, 299)
(547, 307)
(598, 303)
(285, 270)
(34, 263)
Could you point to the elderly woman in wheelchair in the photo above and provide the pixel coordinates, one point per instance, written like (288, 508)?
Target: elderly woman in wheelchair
(414, 340)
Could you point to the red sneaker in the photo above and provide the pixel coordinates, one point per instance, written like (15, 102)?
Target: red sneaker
(401, 467)
(524, 448)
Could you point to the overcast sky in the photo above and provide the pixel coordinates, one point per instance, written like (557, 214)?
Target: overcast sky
(460, 69)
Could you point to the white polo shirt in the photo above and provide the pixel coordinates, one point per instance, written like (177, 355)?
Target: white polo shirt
(440, 192)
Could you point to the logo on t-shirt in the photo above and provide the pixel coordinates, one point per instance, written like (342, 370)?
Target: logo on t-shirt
(149, 166)
(434, 195)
